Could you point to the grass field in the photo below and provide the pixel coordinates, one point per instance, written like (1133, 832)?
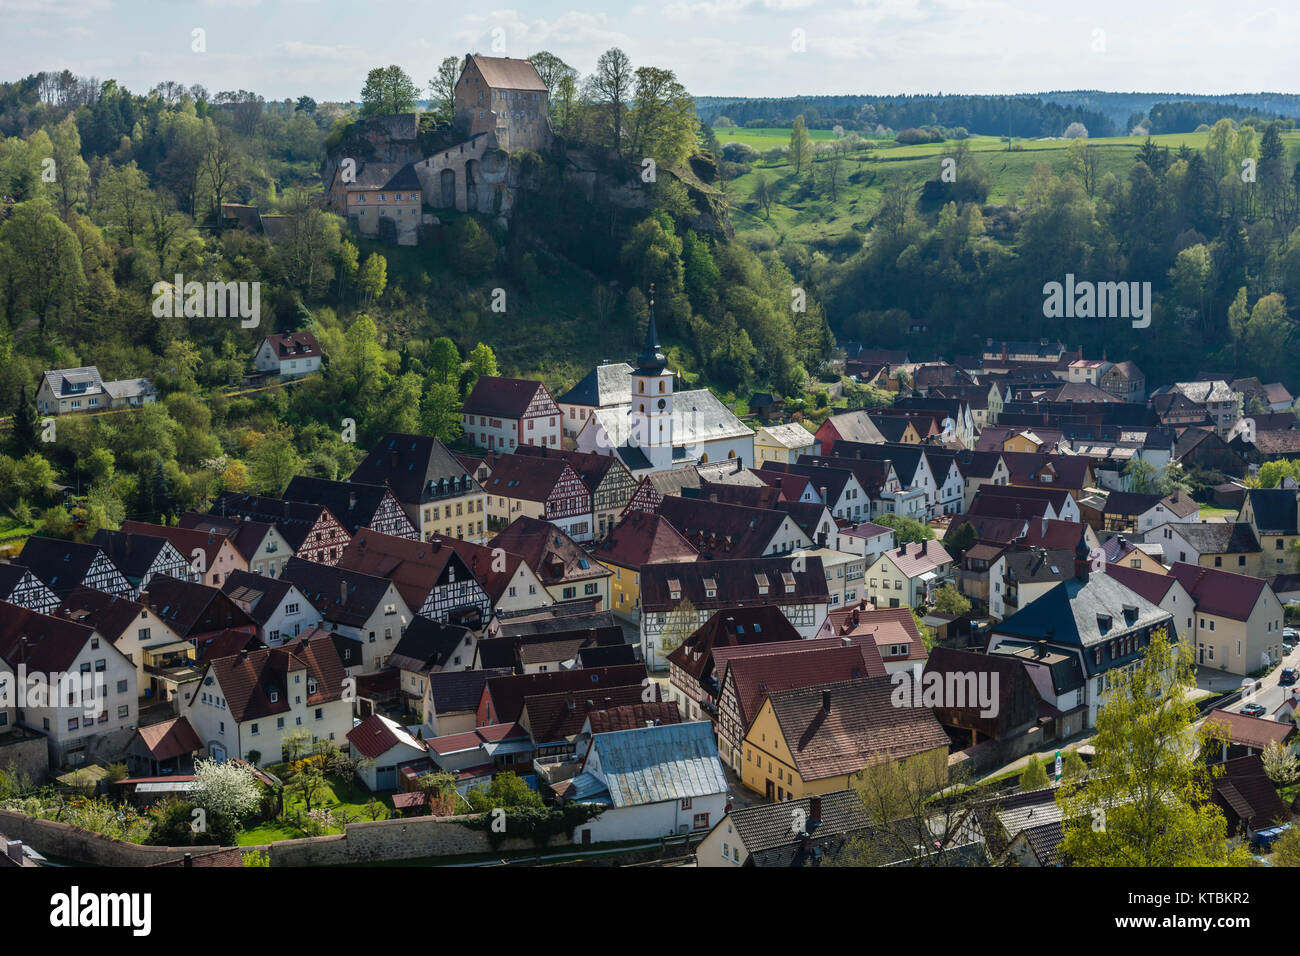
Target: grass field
(336, 795)
(804, 216)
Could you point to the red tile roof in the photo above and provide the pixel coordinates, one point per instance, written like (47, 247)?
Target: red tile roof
(171, 738)
(755, 678)
(502, 397)
(246, 680)
(641, 539)
(1220, 592)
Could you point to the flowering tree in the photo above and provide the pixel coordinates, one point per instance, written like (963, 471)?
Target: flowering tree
(228, 789)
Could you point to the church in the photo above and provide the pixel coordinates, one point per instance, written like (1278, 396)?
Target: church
(657, 428)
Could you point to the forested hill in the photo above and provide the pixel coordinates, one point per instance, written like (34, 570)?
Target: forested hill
(1029, 114)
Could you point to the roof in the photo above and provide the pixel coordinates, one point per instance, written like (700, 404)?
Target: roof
(295, 520)
(1218, 537)
(246, 535)
(250, 680)
(1274, 509)
(698, 416)
(1202, 392)
(721, 529)
(189, 608)
(171, 738)
(731, 627)
(509, 692)
(1038, 566)
(768, 826)
(263, 595)
(385, 176)
(60, 565)
(861, 728)
(660, 763)
(65, 381)
(418, 468)
(45, 644)
(508, 73)
(631, 716)
(1219, 592)
(792, 435)
(605, 385)
(499, 397)
(552, 554)
(428, 646)
(1152, 585)
(528, 478)
(641, 539)
(460, 691)
(1249, 731)
(917, 557)
(1245, 787)
(108, 614)
(295, 345)
(414, 567)
(354, 504)
(735, 582)
(340, 594)
(134, 554)
(377, 734)
(756, 677)
(855, 426)
(561, 715)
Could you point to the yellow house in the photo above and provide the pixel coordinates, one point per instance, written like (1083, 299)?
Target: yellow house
(1022, 441)
(783, 443)
(639, 539)
(819, 739)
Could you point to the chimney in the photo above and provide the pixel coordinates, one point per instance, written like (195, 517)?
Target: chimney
(189, 859)
(846, 641)
(243, 654)
(826, 701)
(343, 592)
(14, 850)
(352, 500)
(815, 810)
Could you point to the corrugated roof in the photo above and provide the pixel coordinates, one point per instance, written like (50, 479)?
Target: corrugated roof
(655, 764)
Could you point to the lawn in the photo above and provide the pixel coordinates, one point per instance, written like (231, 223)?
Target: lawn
(335, 795)
(1211, 513)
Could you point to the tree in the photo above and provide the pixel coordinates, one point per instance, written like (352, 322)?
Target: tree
(1140, 476)
(552, 70)
(1034, 776)
(388, 90)
(442, 89)
(444, 360)
(124, 196)
(1073, 766)
(218, 169)
(273, 461)
(473, 250)
(948, 600)
(610, 86)
(373, 278)
(1146, 800)
(800, 145)
(440, 412)
(506, 790)
(764, 194)
(228, 789)
(483, 361)
(71, 187)
(906, 530)
(1281, 765)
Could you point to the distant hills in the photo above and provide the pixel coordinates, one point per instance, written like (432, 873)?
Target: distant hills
(1028, 114)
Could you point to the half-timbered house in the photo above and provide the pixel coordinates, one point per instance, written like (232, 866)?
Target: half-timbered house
(194, 611)
(432, 577)
(433, 487)
(65, 565)
(313, 531)
(566, 569)
(140, 556)
(610, 482)
(502, 414)
(210, 553)
(133, 627)
(259, 543)
(357, 505)
(20, 587)
(549, 489)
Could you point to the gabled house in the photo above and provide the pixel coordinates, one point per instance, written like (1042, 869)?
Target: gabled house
(288, 354)
(89, 710)
(1132, 512)
(543, 488)
(553, 650)
(279, 609)
(719, 530)
(796, 586)
(606, 386)
(434, 488)
(765, 835)
(63, 566)
(210, 554)
(1228, 545)
(1274, 516)
(1239, 619)
(382, 199)
(139, 557)
(83, 390)
(451, 700)
(261, 546)
(836, 484)
(20, 587)
(907, 576)
(640, 539)
(610, 482)
(510, 584)
(244, 705)
(855, 426)
(503, 696)
(501, 414)
(783, 443)
(428, 647)
(655, 781)
(379, 745)
(355, 505)
(567, 570)
(312, 530)
(1248, 798)
(817, 738)
(1021, 577)
(132, 627)
(431, 576)
(194, 611)
(362, 607)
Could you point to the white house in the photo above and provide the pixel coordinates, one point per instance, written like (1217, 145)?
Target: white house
(502, 414)
(288, 354)
(280, 610)
(658, 781)
(865, 539)
(379, 744)
(84, 390)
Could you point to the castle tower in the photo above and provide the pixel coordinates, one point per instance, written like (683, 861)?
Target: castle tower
(652, 399)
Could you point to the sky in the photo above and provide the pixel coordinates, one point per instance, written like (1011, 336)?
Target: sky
(323, 48)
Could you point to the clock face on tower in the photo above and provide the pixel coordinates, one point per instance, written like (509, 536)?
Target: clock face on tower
(662, 403)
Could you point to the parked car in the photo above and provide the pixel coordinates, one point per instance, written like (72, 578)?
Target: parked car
(1253, 710)
(1289, 676)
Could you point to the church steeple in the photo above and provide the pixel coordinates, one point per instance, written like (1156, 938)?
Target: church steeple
(652, 360)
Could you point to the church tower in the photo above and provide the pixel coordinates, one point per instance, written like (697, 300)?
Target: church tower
(652, 400)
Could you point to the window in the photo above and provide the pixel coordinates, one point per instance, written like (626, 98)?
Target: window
(686, 803)
(701, 821)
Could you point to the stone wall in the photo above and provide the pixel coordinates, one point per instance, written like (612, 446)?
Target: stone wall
(28, 752)
(368, 842)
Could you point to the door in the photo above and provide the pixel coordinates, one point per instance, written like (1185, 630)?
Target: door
(770, 791)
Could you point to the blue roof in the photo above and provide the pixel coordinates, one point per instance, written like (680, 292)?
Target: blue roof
(654, 764)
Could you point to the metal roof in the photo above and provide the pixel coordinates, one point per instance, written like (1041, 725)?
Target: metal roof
(655, 764)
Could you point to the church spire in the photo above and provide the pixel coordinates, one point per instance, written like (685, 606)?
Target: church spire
(651, 361)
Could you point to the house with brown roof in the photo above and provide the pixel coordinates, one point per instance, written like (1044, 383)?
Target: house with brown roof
(718, 530)
(88, 709)
(502, 698)
(451, 699)
(567, 570)
(501, 414)
(694, 682)
(548, 489)
(379, 744)
(163, 749)
(245, 705)
(551, 650)
(288, 354)
(132, 627)
(892, 631)
(432, 578)
(640, 539)
(436, 490)
(62, 566)
(1231, 735)
(816, 738)
(355, 504)
(381, 199)
(1238, 619)
(194, 611)
(264, 550)
(848, 426)
(751, 672)
(210, 553)
(697, 589)
(907, 576)
(504, 96)
(1016, 701)
(610, 482)
(1248, 798)
(509, 583)
(140, 557)
(312, 530)
(280, 610)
